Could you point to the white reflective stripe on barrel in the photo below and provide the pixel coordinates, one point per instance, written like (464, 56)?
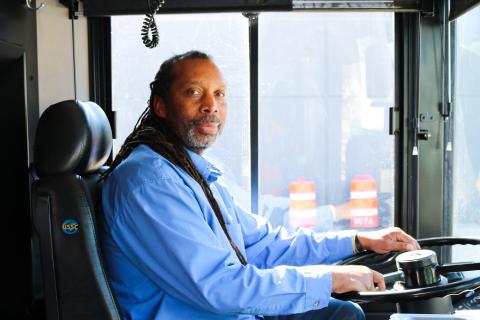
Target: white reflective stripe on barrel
(297, 196)
(364, 212)
(363, 194)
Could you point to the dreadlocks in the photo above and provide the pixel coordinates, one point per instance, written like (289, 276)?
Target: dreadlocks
(155, 133)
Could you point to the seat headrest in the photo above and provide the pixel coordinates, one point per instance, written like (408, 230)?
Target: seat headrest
(72, 136)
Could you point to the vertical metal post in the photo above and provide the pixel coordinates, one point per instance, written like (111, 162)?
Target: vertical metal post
(446, 105)
(100, 62)
(253, 55)
(407, 41)
(412, 144)
(431, 159)
(100, 67)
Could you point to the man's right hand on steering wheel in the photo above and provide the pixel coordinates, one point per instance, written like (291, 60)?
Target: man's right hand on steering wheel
(356, 278)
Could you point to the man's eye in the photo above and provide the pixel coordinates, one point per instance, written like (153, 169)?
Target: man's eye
(194, 92)
(221, 94)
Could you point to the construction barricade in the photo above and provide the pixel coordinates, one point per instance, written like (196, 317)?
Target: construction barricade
(303, 204)
(363, 202)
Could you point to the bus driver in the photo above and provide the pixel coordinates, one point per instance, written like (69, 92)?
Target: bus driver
(178, 247)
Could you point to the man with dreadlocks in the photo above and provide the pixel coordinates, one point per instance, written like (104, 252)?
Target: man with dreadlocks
(178, 247)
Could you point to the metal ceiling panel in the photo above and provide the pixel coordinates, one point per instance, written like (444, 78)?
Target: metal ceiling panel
(95, 8)
(354, 5)
(460, 7)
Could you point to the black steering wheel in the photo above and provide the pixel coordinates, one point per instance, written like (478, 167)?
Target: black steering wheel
(399, 293)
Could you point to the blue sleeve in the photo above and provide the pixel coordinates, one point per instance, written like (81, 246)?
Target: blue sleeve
(161, 228)
(267, 247)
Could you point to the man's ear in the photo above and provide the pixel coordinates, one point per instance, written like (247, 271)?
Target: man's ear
(159, 107)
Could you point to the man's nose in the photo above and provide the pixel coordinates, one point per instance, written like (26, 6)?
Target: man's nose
(209, 104)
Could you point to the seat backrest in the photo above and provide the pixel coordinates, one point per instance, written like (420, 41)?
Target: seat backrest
(73, 141)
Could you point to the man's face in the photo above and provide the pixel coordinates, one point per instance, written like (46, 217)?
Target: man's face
(196, 106)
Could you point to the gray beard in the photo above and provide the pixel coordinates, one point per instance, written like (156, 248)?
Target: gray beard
(201, 144)
(197, 144)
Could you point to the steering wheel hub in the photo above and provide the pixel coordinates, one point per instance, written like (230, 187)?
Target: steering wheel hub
(419, 268)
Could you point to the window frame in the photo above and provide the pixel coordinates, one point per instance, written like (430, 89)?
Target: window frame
(410, 53)
(95, 8)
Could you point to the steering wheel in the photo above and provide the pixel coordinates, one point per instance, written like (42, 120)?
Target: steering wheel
(403, 290)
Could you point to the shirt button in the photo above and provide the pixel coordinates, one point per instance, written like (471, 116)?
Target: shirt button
(316, 304)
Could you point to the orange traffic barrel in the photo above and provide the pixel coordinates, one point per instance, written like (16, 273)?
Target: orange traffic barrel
(363, 202)
(303, 204)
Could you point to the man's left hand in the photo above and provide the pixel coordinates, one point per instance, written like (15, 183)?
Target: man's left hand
(386, 240)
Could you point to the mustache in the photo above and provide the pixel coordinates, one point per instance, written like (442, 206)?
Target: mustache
(206, 119)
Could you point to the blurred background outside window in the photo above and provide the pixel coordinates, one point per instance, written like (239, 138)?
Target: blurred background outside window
(326, 81)
(466, 151)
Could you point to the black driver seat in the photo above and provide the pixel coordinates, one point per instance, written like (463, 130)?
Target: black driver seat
(72, 143)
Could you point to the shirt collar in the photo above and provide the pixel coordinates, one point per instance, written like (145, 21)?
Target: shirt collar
(208, 171)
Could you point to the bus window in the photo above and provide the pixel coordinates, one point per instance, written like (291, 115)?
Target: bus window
(326, 82)
(223, 36)
(325, 159)
(466, 154)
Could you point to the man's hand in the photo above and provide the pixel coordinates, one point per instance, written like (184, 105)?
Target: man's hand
(356, 278)
(386, 240)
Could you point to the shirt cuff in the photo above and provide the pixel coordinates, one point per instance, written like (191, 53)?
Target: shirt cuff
(346, 241)
(318, 287)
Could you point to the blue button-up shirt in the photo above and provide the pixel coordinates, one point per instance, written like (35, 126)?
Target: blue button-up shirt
(168, 257)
